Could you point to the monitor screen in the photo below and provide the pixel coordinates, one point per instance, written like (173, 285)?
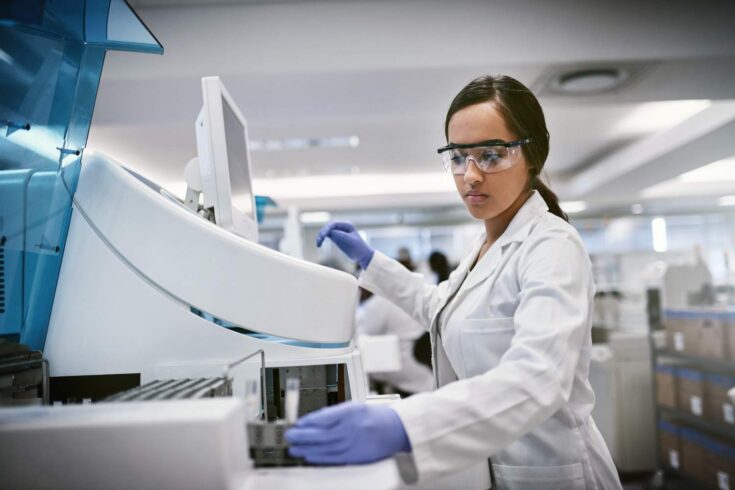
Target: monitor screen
(237, 161)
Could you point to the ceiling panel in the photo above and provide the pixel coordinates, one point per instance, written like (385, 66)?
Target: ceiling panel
(386, 72)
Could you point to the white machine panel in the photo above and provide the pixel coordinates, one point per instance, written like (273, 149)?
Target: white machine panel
(147, 445)
(209, 268)
(176, 445)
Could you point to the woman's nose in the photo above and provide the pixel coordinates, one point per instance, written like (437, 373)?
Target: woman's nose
(472, 174)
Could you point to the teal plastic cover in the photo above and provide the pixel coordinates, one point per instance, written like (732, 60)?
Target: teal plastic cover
(51, 58)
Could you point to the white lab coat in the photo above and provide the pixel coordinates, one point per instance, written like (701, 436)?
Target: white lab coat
(515, 331)
(378, 316)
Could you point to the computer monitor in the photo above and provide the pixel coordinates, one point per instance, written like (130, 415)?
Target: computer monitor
(224, 161)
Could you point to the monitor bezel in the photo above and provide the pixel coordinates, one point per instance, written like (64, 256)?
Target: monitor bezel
(214, 163)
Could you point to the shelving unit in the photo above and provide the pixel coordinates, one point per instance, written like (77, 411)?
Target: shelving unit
(705, 364)
(716, 430)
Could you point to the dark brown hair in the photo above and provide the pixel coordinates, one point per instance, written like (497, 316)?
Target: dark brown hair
(523, 115)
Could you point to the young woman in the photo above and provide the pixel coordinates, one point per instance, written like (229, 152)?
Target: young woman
(510, 327)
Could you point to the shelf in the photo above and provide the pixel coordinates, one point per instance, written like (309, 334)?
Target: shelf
(720, 365)
(683, 478)
(715, 428)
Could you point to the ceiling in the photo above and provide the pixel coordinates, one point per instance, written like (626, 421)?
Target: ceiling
(386, 72)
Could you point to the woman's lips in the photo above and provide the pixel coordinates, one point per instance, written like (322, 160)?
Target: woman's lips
(475, 197)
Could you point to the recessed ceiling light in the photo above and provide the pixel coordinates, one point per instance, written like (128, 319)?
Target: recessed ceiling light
(590, 81)
(726, 201)
(636, 208)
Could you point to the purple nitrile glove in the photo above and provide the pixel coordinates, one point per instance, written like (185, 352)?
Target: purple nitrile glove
(349, 433)
(345, 236)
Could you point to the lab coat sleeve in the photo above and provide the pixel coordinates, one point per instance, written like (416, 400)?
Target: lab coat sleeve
(391, 280)
(472, 419)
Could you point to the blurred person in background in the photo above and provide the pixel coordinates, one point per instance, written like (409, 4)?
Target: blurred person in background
(404, 257)
(439, 265)
(440, 269)
(378, 316)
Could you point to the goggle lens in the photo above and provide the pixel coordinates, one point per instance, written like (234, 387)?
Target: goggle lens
(489, 159)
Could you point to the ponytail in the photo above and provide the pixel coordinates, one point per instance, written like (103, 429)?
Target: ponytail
(550, 198)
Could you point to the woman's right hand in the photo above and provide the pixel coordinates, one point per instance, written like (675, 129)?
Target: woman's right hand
(345, 236)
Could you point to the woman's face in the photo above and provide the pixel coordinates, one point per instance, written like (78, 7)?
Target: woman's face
(486, 195)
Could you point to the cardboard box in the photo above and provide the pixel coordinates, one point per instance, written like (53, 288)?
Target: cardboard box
(694, 453)
(673, 321)
(727, 318)
(683, 330)
(718, 406)
(720, 466)
(692, 331)
(666, 392)
(690, 385)
(669, 444)
(712, 340)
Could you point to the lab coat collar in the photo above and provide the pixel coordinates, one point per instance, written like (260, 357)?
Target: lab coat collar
(520, 225)
(517, 231)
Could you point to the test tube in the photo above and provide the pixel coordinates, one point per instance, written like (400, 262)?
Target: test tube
(293, 388)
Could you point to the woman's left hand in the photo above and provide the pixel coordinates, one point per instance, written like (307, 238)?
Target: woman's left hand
(349, 433)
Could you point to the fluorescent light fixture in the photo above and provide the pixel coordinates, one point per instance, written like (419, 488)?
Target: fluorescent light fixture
(713, 178)
(572, 207)
(636, 208)
(656, 116)
(726, 201)
(660, 239)
(305, 143)
(663, 189)
(354, 185)
(315, 217)
(714, 172)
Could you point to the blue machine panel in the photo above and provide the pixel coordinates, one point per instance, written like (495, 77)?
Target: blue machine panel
(12, 225)
(51, 58)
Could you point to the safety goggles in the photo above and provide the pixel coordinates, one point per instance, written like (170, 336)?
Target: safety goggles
(490, 156)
